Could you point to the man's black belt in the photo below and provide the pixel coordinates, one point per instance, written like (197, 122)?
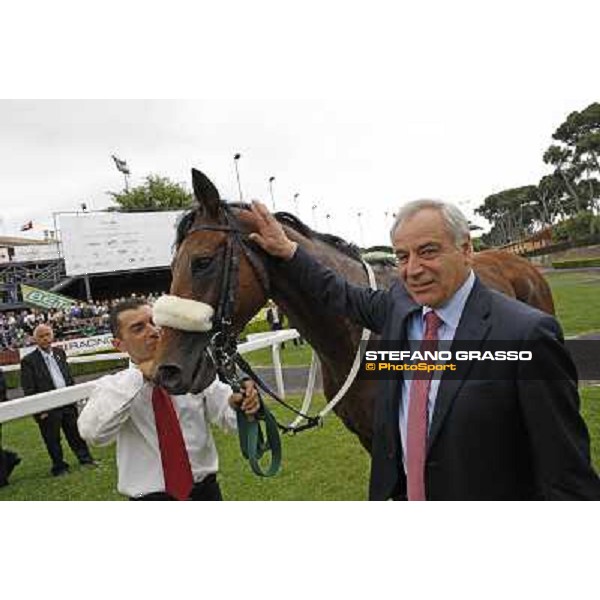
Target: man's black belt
(198, 489)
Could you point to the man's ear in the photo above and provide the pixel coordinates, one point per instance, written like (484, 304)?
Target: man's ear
(467, 248)
(117, 344)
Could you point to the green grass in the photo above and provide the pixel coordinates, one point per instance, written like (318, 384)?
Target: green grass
(577, 300)
(576, 263)
(321, 464)
(590, 409)
(291, 356)
(31, 480)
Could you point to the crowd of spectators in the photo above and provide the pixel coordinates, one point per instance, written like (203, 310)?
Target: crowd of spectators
(83, 319)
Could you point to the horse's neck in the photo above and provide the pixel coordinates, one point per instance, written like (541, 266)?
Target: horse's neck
(334, 339)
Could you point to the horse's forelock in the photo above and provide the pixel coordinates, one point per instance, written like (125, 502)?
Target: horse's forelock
(183, 226)
(187, 220)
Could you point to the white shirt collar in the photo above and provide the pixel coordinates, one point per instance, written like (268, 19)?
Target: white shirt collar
(452, 310)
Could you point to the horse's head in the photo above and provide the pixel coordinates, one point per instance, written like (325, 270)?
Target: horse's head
(218, 283)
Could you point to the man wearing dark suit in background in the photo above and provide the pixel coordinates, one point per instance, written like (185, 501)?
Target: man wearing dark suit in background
(274, 316)
(471, 438)
(8, 459)
(43, 370)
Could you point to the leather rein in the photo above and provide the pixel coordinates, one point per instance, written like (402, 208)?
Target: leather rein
(223, 351)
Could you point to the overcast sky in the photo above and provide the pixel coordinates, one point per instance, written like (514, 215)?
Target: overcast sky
(357, 111)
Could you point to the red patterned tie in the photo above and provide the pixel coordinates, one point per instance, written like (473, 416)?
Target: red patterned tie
(416, 445)
(175, 461)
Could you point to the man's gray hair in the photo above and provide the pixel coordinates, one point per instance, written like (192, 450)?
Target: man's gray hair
(453, 218)
(41, 326)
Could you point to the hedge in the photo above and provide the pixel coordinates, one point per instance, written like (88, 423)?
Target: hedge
(574, 264)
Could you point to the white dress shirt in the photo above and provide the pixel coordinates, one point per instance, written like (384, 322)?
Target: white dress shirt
(120, 408)
(55, 372)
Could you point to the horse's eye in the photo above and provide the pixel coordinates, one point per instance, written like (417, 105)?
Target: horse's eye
(200, 263)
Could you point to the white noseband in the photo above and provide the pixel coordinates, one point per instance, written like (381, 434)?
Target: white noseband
(183, 314)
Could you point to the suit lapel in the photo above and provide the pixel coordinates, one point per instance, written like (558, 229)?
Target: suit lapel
(474, 327)
(43, 366)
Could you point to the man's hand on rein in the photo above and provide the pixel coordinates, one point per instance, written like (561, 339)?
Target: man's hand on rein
(247, 400)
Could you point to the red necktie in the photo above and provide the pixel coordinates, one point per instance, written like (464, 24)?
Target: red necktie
(416, 445)
(175, 461)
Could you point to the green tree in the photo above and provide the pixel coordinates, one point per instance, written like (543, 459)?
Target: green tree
(513, 214)
(577, 228)
(479, 244)
(575, 158)
(549, 194)
(568, 170)
(156, 193)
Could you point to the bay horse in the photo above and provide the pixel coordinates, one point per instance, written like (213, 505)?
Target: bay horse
(201, 271)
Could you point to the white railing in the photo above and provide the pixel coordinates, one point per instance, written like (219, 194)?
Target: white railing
(72, 360)
(30, 405)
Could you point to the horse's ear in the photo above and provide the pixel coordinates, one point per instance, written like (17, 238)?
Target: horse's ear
(206, 193)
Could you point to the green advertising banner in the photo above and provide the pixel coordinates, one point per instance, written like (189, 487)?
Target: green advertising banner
(44, 299)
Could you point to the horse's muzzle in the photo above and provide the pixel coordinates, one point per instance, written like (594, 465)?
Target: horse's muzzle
(186, 367)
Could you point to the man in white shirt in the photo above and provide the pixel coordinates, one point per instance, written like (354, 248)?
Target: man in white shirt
(122, 408)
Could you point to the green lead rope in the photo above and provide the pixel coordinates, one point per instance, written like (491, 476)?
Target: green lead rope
(254, 443)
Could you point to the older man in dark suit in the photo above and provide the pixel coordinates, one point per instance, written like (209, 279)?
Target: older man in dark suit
(43, 370)
(467, 437)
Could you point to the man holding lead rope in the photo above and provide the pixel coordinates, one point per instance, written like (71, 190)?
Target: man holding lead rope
(165, 450)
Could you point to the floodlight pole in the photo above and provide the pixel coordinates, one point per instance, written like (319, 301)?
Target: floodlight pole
(56, 236)
(362, 240)
(236, 158)
(88, 289)
(271, 180)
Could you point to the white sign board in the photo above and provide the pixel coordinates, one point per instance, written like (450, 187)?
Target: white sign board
(4, 257)
(36, 252)
(105, 242)
(95, 343)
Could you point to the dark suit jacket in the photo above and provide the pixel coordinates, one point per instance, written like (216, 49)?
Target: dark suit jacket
(517, 438)
(35, 376)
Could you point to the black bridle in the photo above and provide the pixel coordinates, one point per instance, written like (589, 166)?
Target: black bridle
(222, 348)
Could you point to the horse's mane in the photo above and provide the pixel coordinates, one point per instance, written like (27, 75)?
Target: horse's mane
(351, 250)
(338, 243)
(184, 224)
